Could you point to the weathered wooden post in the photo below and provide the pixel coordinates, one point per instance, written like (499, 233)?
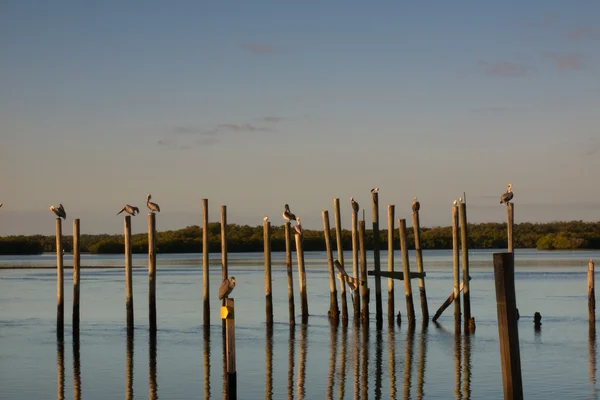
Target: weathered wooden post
(377, 260)
(290, 281)
(205, 265)
(591, 294)
(464, 239)
(60, 282)
(224, 268)
(152, 271)
(267, 250)
(340, 256)
(456, 269)
(364, 289)
(76, 280)
(510, 211)
(504, 277)
(334, 311)
(419, 257)
(391, 309)
(128, 275)
(410, 307)
(355, 269)
(302, 278)
(228, 316)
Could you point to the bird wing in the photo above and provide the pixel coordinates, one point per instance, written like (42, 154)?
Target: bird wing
(223, 289)
(122, 209)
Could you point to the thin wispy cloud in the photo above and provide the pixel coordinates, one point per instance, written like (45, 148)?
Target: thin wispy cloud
(582, 33)
(489, 110)
(504, 68)
(259, 48)
(566, 61)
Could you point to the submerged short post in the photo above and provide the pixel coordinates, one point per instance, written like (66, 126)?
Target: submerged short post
(152, 271)
(334, 311)
(504, 277)
(76, 280)
(60, 282)
(340, 256)
(128, 275)
(228, 316)
(205, 265)
(267, 252)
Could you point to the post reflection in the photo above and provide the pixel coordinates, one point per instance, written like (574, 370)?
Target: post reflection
(76, 367)
(302, 368)
(364, 393)
(592, 356)
(422, 362)
(129, 367)
(207, 362)
(152, 381)
(410, 338)
(467, 367)
(343, 356)
(291, 347)
(332, 358)
(60, 369)
(269, 363)
(392, 360)
(457, 365)
(357, 361)
(378, 363)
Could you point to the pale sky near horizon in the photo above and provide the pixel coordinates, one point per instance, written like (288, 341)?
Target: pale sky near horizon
(257, 104)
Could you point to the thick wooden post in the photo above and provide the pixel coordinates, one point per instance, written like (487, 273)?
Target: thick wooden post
(205, 266)
(76, 280)
(464, 240)
(340, 256)
(364, 289)
(377, 260)
(456, 269)
(268, 293)
(334, 311)
(391, 309)
(152, 271)
(419, 257)
(504, 276)
(290, 281)
(355, 271)
(410, 307)
(228, 316)
(60, 282)
(224, 267)
(591, 293)
(302, 278)
(128, 275)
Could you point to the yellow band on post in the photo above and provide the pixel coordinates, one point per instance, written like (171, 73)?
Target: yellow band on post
(227, 312)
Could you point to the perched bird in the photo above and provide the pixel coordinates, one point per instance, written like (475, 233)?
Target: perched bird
(59, 211)
(152, 206)
(460, 199)
(298, 226)
(226, 287)
(455, 202)
(506, 197)
(129, 209)
(266, 218)
(374, 190)
(416, 206)
(340, 268)
(287, 214)
(0, 204)
(355, 205)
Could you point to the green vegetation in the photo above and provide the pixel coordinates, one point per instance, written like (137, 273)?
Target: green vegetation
(244, 238)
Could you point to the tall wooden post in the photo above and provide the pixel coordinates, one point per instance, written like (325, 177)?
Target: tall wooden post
(508, 330)
(128, 275)
(456, 269)
(290, 281)
(377, 260)
(205, 265)
(334, 311)
(340, 256)
(268, 293)
(410, 307)
(228, 316)
(224, 268)
(60, 282)
(302, 278)
(591, 293)
(355, 271)
(391, 309)
(152, 271)
(464, 239)
(364, 289)
(419, 257)
(510, 211)
(76, 280)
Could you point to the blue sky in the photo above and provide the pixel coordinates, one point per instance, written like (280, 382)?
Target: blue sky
(258, 104)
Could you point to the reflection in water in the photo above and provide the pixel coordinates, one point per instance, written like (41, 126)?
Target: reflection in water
(129, 367)
(207, 362)
(269, 363)
(410, 338)
(365, 364)
(457, 365)
(76, 367)
(224, 336)
(592, 352)
(292, 343)
(392, 360)
(422, 362)
(378, 363)
(356, 361)
(332, 358)
(467, 367)
(152, 366)
(343, 356)
(60, 367)
(302, 369)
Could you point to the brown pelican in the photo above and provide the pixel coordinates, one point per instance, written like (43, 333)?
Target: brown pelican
(60, 211)
(455, 202)
(340, 268)
(129, 209)
(0, 204)
(374, 190)
(226, 287)
(152, 206)
(266, 218)
(460, 199)
(355, 206)
(298, 226)
(506, 197)
(416, 206)
(287, 214)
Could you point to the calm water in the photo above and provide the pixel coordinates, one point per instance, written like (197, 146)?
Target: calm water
(314, 361)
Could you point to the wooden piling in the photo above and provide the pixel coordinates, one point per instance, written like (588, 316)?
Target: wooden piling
(302, 278)
(464, 240)
(504, 277)
(391, 309)
(128, 275)
(510, 211)
(591, 293)
(334, 311)
(456, 269)
(76, 279)
(268, 293)
(377, 260)
(228, 316)
(60, 282)
(224, 267)
(152, 271)
(355, 272)
(340, 256)
(419, 257)
(205, 266)
(410, 307)
(364, 289)
(290, 278)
